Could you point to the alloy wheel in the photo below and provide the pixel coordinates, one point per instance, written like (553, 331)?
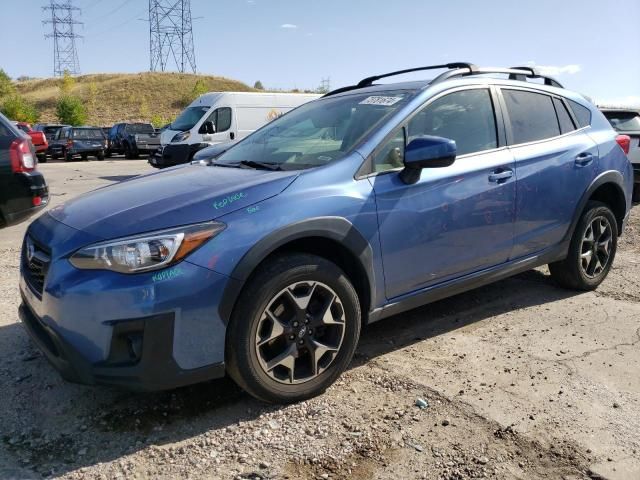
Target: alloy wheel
(595, 251)
(300, 332)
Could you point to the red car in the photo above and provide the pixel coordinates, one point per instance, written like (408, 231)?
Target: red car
(38, 139)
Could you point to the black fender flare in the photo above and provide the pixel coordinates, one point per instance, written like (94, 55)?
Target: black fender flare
(611, 176)
(337, 229)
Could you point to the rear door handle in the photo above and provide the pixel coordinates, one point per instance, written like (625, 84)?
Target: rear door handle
(584, 159)
(501, 175)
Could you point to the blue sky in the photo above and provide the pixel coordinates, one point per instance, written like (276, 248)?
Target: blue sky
(590, 45)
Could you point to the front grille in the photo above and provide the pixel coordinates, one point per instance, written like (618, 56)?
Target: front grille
(35, 262)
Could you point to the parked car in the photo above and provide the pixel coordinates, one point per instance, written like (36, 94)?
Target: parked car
(627, 121)
(23, 189)
(50, 130)
(133, 139)
(265, 262)
(38, 139)
(83, 141)
(221, 117)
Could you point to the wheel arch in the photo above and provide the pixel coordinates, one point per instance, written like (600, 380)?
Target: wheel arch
(607, 188)
(333, 238)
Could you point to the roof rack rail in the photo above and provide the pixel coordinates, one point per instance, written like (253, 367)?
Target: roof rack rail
(366, 82)
(457, 69)
(515, 73)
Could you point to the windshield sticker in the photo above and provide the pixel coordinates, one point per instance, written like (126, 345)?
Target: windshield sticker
(169, 274)
(253, 209)
(228, 200)
(378, 100)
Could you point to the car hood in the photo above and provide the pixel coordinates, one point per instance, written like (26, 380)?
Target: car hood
(172, 197)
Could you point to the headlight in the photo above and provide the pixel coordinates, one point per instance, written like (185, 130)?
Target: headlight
(181, 137)
(150, 251)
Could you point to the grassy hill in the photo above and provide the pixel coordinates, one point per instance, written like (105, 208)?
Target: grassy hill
(111, 98)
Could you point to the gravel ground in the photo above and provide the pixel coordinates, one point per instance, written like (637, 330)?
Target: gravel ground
(519, 379)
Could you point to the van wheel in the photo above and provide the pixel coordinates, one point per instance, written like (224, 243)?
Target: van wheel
(591, 251)
(294, 329)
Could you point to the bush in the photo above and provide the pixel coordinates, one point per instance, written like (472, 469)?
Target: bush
(71, 110)
(6, 85)
(158, 121)
(17, 108)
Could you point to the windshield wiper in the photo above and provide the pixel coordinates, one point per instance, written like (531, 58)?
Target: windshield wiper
(260, 165)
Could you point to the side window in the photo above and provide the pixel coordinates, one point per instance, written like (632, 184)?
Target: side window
(583, 114)
(564, 119)
(466, 116)
(532, 116)
(223, 120)
(391, 155)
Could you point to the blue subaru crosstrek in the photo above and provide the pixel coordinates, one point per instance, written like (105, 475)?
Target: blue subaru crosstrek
(264, 261)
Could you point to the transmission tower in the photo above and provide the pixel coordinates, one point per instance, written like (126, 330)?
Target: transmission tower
(65, 56)
(171, 35)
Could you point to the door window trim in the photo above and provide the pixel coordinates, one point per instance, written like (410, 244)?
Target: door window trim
(367, 170)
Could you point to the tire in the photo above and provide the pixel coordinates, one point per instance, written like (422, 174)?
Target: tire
(100, 155)
(127, 152)
(108, 153)
(589, 258)
(42, 158)
(84, 157)
(273, 286)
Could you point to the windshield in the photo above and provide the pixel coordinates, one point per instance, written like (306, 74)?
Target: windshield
(93, 133)
(140, 128)
(624, 121)
(316, 133)
(188, 118)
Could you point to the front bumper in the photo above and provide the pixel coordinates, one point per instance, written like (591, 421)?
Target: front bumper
(140, 357)
(144, 331)
(175, 154)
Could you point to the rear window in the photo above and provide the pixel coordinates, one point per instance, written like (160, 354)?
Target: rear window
(582, 113)
(139, 128)
(88, 133)
(564, 119)
(532, 116)
(624, 121)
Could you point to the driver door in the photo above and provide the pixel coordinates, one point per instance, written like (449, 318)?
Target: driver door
(455, 220)
(222, 121)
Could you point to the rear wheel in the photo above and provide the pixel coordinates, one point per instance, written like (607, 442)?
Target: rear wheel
(294, 329)
(591, 251)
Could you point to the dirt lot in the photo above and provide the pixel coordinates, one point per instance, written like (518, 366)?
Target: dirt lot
(522, 380)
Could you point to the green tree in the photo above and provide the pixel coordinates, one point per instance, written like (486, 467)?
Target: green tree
(258, 85)
(17, 108)
(71, 110)
(68, 82)
(6, 85)
(158, 120)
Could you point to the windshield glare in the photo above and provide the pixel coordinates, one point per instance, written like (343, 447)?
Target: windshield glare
(624, 121)
(188, 118)
(316, 133)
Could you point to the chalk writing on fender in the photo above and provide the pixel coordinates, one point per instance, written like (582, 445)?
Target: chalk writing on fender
(253, 209)
(169, 274)
(228, 200)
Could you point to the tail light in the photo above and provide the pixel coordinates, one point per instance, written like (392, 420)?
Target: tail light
(625, 143)
(21, 157)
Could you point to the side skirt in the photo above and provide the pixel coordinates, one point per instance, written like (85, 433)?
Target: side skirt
(468, 282)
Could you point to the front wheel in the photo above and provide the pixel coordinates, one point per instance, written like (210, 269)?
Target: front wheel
(294, 330)
(591, 251)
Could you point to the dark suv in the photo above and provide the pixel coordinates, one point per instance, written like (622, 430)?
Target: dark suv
(23, 190)
(82, 141)
(133, 139)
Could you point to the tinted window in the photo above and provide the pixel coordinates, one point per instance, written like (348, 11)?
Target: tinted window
(532, 116)
(583, 114)
(391, 155)
(466, 117)
(624, 121)
(93, 133)
(566, 124)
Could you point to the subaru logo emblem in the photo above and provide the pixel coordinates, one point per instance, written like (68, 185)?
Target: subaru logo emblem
(302, 331)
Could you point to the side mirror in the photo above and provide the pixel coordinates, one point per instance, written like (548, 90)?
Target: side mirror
(426, 151)
(207, 127)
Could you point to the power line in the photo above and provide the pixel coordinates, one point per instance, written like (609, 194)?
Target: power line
(171, 35)
(65, 56)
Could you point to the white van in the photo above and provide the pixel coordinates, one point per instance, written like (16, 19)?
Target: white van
(221, 117)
